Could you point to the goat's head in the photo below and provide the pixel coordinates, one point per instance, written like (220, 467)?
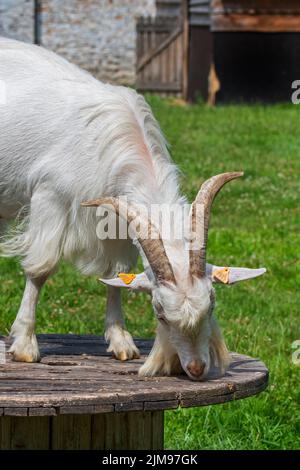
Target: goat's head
(183, 299)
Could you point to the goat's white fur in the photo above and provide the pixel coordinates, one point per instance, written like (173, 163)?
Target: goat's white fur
(66, 138)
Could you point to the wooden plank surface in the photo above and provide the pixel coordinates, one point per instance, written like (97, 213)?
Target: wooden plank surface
(77, 376)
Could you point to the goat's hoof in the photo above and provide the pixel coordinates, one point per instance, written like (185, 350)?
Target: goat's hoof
(121, 344)
(25, 358)
(25, 349)
(127, 355)
(123, 356)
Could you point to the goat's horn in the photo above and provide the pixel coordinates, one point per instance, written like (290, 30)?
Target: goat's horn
(149, 237)
(199, 220)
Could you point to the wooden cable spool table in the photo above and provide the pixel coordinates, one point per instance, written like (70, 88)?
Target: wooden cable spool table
(79, 397)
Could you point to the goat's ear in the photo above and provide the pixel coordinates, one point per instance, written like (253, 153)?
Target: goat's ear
(139, 282)
(229, 275)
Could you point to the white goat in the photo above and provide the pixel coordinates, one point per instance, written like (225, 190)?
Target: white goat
(66, 138)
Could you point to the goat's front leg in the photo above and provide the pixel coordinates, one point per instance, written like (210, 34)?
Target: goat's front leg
(25, 347)
(120, 341)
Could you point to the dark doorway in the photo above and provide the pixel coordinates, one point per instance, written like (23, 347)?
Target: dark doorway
(256, 66)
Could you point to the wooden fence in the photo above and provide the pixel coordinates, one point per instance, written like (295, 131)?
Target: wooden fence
(160, 54)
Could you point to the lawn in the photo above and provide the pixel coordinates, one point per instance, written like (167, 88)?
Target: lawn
(255, 223)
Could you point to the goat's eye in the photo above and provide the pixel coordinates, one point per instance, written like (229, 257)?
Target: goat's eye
(160, 314)
(163, 319)
(159, 309)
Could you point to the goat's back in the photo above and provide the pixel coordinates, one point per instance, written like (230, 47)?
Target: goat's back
(44, 123)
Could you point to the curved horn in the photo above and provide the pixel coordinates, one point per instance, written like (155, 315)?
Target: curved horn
(199, 220)
(149, 237)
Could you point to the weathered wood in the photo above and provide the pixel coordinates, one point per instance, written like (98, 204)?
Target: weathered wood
(42, 411)
(168, 7)
(78, 397)
(159, 24)
(159, 87)
(159, 52)
(87, 409)
(201, 56)
(255, 6)
(99, 431)
(91, 382)
(159, 49)
(71, 432)
(157, 430)
(127, 431)
(256, 23)
(139, 406)
(24, 433)
(161, 405)
(16, 411)
(199, 12)
(185, 49)
(255, 15)
(121, 431)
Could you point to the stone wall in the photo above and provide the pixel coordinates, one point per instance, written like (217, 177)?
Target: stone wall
(98, 35)
(16, 19)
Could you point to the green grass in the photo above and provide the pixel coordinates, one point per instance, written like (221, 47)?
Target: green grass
(255, 223)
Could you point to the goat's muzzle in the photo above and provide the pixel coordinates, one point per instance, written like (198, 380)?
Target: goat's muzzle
(196, 368)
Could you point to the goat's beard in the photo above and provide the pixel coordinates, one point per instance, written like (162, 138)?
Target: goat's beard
(164, 360)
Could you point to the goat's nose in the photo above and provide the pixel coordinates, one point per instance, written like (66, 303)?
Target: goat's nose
(196, 368)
